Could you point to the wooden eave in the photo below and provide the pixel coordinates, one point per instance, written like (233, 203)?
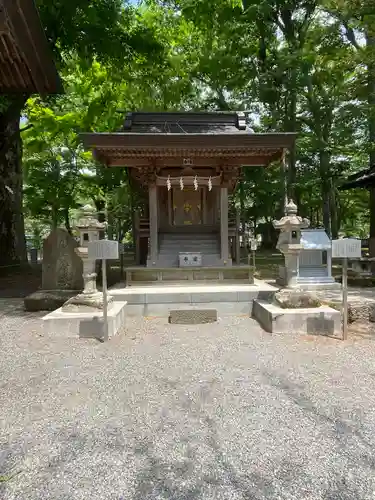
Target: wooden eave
(129, 149)
(26, 63)
(363, 179)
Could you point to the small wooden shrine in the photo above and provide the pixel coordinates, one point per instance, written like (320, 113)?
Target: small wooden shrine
(189, 163)
(26, 63)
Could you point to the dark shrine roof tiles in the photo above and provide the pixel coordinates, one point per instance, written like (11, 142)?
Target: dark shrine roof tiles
(185, 123)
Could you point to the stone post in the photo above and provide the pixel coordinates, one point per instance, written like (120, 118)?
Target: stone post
(153, 210)
(89, 230)
(289, 243)
(224, 225)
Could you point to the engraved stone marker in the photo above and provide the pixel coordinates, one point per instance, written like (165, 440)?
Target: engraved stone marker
(62, 268)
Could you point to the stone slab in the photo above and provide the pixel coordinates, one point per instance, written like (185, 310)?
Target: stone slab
(47, 300)
(84, 324)
(62, 268)
(193, 294)
(329, 285)
(224, 309)
(192, 316)
(319, 321)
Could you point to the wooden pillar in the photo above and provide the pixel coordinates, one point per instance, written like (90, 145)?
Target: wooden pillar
(170, 208)
(238, 244)
(153, 210)
(224, 223)
(137, 238)
(204, 205)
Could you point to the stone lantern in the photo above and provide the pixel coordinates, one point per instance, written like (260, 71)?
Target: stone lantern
(289, 243)
(89, 230)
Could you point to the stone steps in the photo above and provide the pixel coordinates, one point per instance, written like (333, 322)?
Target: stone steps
(159, 300)
(171, 244)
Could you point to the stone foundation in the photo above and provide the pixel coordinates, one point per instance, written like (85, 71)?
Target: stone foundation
(47, 300)
(192, 316)
(318, 320)
(84, 324)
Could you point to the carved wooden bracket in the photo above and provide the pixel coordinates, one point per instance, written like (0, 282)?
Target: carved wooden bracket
(146, 175)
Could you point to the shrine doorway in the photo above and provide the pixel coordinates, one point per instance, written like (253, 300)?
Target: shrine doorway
(187, 206)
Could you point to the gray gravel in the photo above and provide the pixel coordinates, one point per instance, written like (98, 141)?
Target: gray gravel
(220, 411)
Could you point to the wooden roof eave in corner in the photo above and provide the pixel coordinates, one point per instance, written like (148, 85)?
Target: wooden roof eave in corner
(124, 149)
(35, 71)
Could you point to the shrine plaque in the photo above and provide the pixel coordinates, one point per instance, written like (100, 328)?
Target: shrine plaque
(190, 259)
(103, 250)
(346, 248)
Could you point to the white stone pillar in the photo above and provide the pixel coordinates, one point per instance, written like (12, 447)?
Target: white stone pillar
(224, 224)
(153, 209)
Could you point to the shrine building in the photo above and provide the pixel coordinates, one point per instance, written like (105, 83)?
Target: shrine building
(188, 164)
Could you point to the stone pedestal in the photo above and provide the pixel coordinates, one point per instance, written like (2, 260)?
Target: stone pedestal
(90, 300)
(83, 324)
(294, 311)
(61, 273)
(82, 315)
(291, 265)
(311, 320)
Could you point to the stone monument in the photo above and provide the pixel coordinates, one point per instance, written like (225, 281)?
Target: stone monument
(61, 273)
(293, 309)
(62, 268)
(82, 315)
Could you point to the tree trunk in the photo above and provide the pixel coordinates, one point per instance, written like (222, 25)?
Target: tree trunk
(12, 228)
(333, 211)
(324, 160)
(67, 221)
(370, 46)
(326, 206)
(54, 217)
(292, 127)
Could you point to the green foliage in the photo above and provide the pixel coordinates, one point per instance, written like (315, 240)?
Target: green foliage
(292, 66)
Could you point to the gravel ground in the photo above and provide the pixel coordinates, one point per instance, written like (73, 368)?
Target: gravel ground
(223, 411)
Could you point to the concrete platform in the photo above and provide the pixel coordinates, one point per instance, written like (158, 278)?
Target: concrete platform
(159, 300)
(310, 286)
(318, 320)
(84, 324)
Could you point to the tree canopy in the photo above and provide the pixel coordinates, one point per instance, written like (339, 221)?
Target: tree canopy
(301, 66)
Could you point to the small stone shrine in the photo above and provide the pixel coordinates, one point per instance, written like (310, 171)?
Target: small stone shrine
(315, 260)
